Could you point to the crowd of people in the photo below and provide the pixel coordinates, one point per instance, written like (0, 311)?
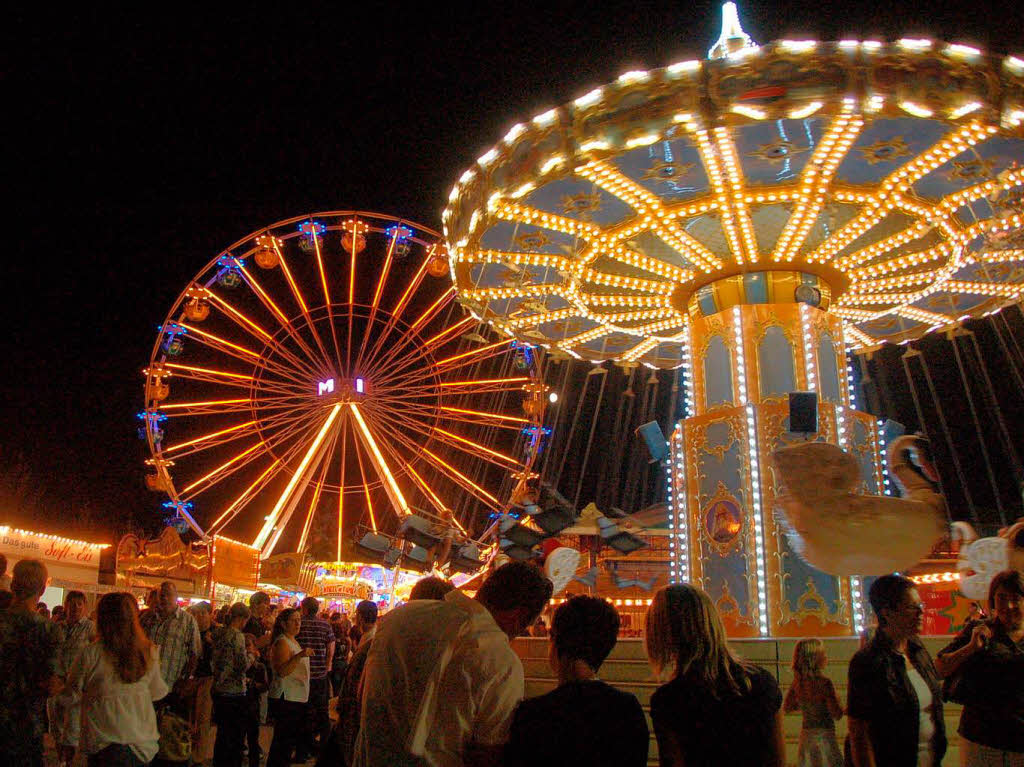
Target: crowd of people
(436, 682)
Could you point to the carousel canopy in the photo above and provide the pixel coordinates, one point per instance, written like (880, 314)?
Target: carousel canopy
(877, 179)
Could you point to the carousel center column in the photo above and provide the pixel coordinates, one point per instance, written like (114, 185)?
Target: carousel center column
(754, 338)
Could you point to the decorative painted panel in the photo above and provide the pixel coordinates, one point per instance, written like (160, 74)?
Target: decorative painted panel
(721, 533)
(804, 600)
(829, 375)
(775, 363)
(718, 386)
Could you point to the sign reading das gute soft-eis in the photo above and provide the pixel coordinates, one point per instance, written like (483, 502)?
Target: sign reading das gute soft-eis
(23, 544)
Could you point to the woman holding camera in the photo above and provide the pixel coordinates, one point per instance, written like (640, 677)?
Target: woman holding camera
(984, 667)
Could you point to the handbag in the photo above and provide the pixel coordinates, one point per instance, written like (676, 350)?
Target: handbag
(957, 688)
(175, 737)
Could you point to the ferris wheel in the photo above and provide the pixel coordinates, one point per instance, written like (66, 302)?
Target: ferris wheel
(316, 382)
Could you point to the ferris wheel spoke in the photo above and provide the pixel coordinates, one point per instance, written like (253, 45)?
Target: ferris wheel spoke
(443, 469)
(264, 297)
(302, 304)
(455, 361)
(205, 440)
(227, 468)
(341, 483)
(230, 434)
(406, 367)
(473, 386)
(446, 513)
(376, 298)
(247, 324)
(220, 344)
(391, 487)
(283, 507)
(208, 375)
(327, 301)
(480, 418)
(366, 488)
(247, 495)
(443, 509)
(419, 353)
(391, 447)
(483, 385)
(298, 390)
(356, 233)
(467, 446)
(298, 432)
(239, 352)
(208, 407)
(411, 334)
(403, 301)
(461, 479)
(253, 490)
(318, 488)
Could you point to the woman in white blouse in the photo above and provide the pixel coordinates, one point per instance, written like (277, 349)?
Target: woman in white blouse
(289, 690)
(115, 681)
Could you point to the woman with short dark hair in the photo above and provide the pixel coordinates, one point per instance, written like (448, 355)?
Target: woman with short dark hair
(986, 665)
(584, 720)
(716, 709)
(894, 698)
(115, 681)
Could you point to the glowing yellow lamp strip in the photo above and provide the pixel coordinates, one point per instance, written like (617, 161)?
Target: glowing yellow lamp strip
(234, 312)
(268, 525)
(223, 466)
(382, 467)
(449, 331)
(205, 437)
(341, 485)
(309, 515)
(433, 496)
(245, 494)
(208, 403)
(480, 447)
(208, 371)
(512, 418)
(462, 476)
(366, 489)
(472, 352)
(384, 272)
(484, 381)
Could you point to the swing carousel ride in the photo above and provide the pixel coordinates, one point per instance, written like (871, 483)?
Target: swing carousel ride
(315, 386)
(749, 219)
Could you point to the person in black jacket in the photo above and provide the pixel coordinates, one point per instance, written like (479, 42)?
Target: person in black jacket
(894, 698)
(584, 720)
(986, 662)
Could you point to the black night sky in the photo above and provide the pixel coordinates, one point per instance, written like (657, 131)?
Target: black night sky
(137, 143)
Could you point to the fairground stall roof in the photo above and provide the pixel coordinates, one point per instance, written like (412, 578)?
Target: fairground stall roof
(879, 179)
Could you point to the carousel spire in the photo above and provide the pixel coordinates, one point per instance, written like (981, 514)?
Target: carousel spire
(733, 38)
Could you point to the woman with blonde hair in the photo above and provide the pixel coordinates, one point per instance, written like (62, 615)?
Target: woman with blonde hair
(813, 694)
(714, 709)
(115, 681)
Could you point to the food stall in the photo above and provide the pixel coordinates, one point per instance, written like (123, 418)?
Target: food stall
(234, 570)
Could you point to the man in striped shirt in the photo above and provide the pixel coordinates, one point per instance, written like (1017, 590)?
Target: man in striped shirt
(316, 634)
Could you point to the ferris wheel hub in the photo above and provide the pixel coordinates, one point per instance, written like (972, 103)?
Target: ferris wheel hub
(343, 389)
